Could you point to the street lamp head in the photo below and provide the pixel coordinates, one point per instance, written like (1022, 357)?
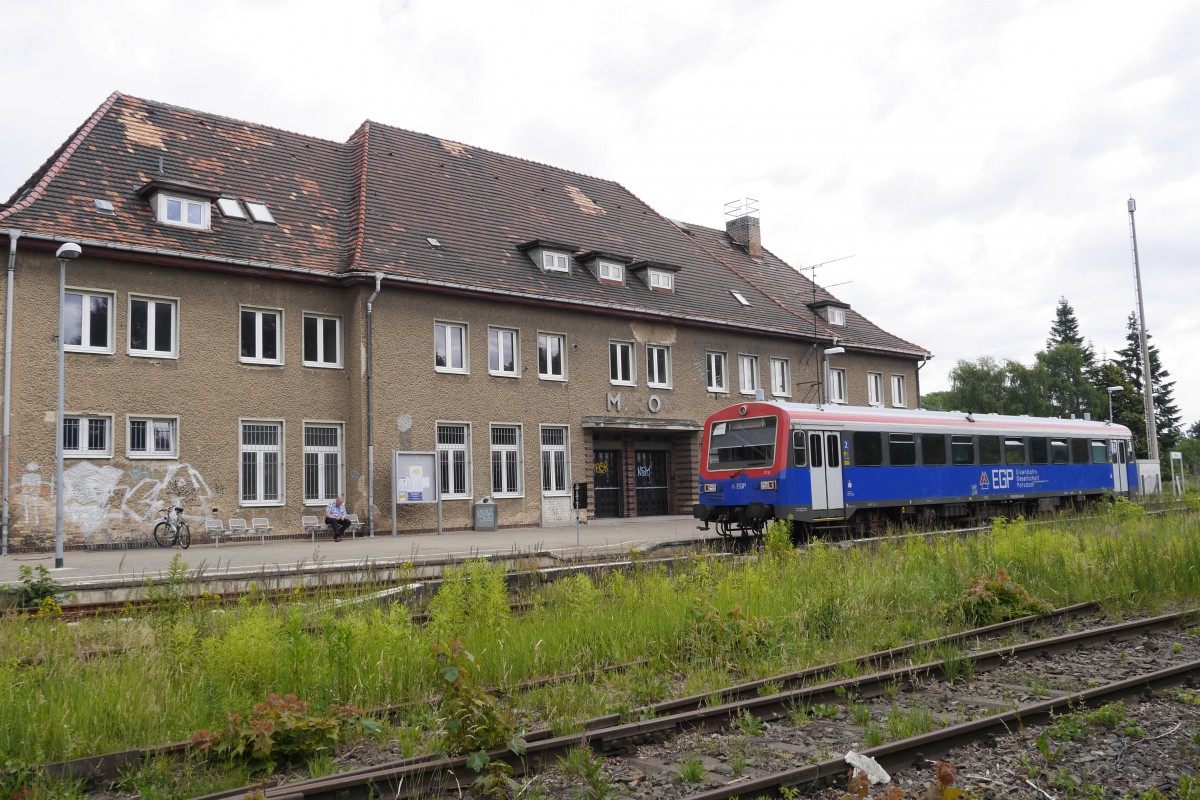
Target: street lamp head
(1112, 389)
(70, 250)
(833, 351)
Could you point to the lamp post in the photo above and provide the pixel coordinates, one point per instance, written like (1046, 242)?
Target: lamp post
(1112, 389)
(68, 252)
(830, 351)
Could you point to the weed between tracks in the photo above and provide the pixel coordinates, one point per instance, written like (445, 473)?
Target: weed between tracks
(187, 666)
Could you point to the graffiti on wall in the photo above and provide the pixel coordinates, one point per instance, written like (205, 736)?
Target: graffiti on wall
(102, 502)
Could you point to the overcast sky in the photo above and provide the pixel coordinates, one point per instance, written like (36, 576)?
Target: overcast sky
(974, 158)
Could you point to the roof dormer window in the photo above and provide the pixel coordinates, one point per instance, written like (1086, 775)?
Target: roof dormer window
(658, 276)
(832, 311)
(549, 256)
(183, 205)
(610, 272)
(555, 262)
(183, 211)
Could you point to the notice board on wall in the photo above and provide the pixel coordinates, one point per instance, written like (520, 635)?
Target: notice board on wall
(414, 477)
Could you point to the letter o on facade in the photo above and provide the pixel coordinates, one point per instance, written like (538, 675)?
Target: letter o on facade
(654, 404)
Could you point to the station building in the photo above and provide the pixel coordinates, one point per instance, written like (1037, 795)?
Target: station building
(258, 319)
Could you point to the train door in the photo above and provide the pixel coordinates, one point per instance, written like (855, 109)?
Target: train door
(825, 472)
(1120, 458)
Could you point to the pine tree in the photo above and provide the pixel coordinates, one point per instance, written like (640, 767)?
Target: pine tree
(1068, 368)
(1166, 414)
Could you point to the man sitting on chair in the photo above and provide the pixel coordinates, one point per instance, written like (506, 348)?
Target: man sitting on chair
(335, 517)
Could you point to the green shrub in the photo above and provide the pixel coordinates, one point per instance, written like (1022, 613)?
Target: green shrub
(989, 600)
(281, 729)
(34, 590)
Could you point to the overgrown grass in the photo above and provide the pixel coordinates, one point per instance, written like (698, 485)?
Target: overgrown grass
(188, 666)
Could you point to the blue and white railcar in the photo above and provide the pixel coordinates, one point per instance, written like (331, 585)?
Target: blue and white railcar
(846, 466)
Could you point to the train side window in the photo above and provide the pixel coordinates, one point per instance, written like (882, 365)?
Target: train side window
(834, 455)
(1080, 452)
(962, 450)
(902, 449)
(1124, 453)
(1039, 453)
(799, 456)
(868, 449)
(933, 449)
(814, 447)
(1060, 453)
(1099, 451)
(1014, 450)
(989, 449)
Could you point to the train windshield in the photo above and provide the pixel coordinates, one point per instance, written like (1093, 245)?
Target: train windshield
(742, 443)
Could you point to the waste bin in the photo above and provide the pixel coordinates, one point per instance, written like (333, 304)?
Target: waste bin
(486, 515)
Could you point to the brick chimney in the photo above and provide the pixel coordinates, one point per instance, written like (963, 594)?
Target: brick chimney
(741, 223)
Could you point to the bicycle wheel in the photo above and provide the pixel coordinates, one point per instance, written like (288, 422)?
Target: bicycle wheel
(185, 535)
(163, 534)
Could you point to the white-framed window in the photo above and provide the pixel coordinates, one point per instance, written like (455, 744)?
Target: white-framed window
(662, 280)
(152, 437)
(781, 377)
(322, 462)
(503, 352)
(552, 356)
(837, 385)
(87, 436)
(153, 324)
(899, 396)
(88, 321)
(717, 373)
(185, 212)
(261, 471)
(322, 341)
(835, 316)
(261, 335)
(748, 374)
(555, 474)
(620, 363)
(450, 347)
(658, 366)
(553, 261)
(874, 388)
(454, 459)
(610, 271)
(507, 463)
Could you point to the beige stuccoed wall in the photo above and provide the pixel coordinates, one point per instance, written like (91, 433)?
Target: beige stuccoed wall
(114, 500)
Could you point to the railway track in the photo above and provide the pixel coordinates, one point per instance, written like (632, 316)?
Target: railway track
(106, 768)
(644, 756)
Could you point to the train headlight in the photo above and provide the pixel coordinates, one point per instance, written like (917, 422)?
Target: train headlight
(767, 486)
(710, 487)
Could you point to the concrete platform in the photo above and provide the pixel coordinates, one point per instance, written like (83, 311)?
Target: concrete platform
(117, 575)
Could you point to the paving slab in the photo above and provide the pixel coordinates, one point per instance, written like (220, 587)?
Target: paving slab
(247, 558)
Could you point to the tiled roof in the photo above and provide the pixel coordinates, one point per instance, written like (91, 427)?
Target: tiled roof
(372, 203)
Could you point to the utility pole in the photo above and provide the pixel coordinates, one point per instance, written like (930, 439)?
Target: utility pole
(1147, 380)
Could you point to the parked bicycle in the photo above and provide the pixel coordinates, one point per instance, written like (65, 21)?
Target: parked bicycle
(172, 529)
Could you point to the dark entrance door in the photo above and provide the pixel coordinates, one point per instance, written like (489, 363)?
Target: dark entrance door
(651, 482)
(606, 466)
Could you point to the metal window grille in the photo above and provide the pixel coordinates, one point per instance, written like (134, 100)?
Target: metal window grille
(70, 435)
(453, 454)
(261, 461)
(506, 459)
(152, 436)
(554, 459)
(322, 462)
